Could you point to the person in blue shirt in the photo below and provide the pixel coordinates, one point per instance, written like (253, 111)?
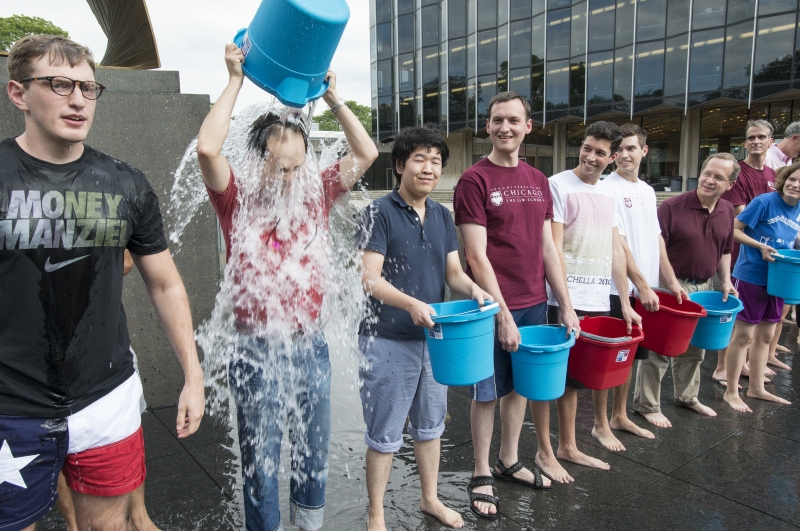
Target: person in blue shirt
(410, 250)
(770, 223)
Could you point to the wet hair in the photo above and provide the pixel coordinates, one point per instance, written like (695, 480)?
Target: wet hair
(629, 130)
(270, 126)
(59, 50)
(783, 176)
(763, 124)
(605, 131)
(510, 96)
(411, 139)
(724, 156)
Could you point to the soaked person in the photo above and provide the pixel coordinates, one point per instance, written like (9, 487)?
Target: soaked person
(274, 217)
(402, 274)
(69, 393)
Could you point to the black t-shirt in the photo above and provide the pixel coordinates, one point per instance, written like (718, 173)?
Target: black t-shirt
(63, 229)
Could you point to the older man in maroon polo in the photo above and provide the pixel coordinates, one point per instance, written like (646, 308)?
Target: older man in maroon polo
(697, 227)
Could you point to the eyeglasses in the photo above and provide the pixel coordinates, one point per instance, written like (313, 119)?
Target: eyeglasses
(64, 86)
(717, 178)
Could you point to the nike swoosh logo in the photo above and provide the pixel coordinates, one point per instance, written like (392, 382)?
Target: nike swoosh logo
(52, 267)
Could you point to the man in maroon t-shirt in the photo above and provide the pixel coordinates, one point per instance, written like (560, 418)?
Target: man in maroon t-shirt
(503, 209)
(755, 178)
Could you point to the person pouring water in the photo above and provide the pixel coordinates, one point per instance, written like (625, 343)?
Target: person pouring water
(286, 263)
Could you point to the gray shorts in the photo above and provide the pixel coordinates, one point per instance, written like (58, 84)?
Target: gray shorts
(398, 384)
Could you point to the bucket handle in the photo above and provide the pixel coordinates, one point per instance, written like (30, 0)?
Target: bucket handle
(483, 308)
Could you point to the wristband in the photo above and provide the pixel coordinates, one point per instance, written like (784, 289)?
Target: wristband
(337, 106)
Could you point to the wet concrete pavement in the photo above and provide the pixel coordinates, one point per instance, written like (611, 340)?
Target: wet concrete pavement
(735, 471)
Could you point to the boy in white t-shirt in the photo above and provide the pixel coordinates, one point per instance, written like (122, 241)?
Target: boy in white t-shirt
(637, 212)
(585, 232)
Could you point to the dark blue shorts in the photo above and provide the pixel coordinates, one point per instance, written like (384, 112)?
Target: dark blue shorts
(32, 452)
(501, 382)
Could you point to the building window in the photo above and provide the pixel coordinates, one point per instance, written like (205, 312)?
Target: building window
(520, 9)
(738, 50)
(649, 70)
(601, 25)
(558, 34)
(623, 62)
(487, 14)
(487, 89)
(774, 43)
(456, 18)
(430, 105)
(537, 87)
(430, 66)
(458, 61)
(578, 30)
(537, 7)
(385, 117)
(770, 7)
(739, 10)
(405, 33)
(406, 71)
(520, 44)
(430, 25)
(520, 82)
(408, 113)
(651, 20)
(705, 73)
(677, 17)
(405, 6)
(383, 10)
(537, 39)
(487, 52)
(624, 23)
(384, 36)
(385, 77)
(557, 85)
(601, 78)
(577, 83)
(675, 66)
(707, 14)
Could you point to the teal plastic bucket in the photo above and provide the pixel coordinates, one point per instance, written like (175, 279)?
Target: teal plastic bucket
(783, 276)
(540, 364)
(289, 45)
(461, 344)
(714, 331)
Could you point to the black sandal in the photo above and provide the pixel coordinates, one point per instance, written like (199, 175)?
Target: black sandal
(507, 474)
(481, 481)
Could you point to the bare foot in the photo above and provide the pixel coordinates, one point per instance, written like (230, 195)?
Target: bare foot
(526, 475)
(608, 440)
(775, 362)
(737, 403)
(580, 458)
(626, 424)
(376, 523)
(445, 515)
(481, 506)
(769, 373)
(657, 419)
(781, 349)
(721, 379)
(553, 469)
(766, 396)
(703, 410)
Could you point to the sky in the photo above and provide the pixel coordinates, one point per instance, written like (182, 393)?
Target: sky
(191, 37)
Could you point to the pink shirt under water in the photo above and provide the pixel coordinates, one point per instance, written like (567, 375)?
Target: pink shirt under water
(305, 305)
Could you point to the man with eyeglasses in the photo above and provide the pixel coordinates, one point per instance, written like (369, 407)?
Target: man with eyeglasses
(697, 227)
(69, 393)
(755, 178)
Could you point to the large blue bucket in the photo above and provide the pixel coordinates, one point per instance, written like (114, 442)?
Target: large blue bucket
(461, 345)
(783, 276)
(289, 45)
(714, 331)
(540, 364)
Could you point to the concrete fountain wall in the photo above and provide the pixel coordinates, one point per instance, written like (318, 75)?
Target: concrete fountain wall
(143, 119)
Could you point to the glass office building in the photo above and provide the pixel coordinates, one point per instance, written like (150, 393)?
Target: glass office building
(691, 72)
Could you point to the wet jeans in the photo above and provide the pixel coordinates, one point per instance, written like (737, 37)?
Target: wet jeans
(276, 387)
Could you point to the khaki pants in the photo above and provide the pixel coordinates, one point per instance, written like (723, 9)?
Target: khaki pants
(685, 372)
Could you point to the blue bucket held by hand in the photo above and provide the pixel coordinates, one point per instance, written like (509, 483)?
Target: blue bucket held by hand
(540, 363)
(289, 45)
(714, 331)
(461, 344)
(783, 276)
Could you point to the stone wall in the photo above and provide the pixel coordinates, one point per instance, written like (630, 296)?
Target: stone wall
(143, 119)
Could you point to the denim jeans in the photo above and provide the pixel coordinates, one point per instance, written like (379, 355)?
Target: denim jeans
(277, 386)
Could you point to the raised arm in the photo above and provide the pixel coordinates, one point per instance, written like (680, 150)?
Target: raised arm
(165, 287)
(362, 150)
(213, 164)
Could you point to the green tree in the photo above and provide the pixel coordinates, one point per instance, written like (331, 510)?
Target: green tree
(327, 121)
(15, 27)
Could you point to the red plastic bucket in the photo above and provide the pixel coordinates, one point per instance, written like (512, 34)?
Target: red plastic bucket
(670, 329)
(603, 359)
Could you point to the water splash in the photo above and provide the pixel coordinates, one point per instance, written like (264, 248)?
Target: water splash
(283, 252)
